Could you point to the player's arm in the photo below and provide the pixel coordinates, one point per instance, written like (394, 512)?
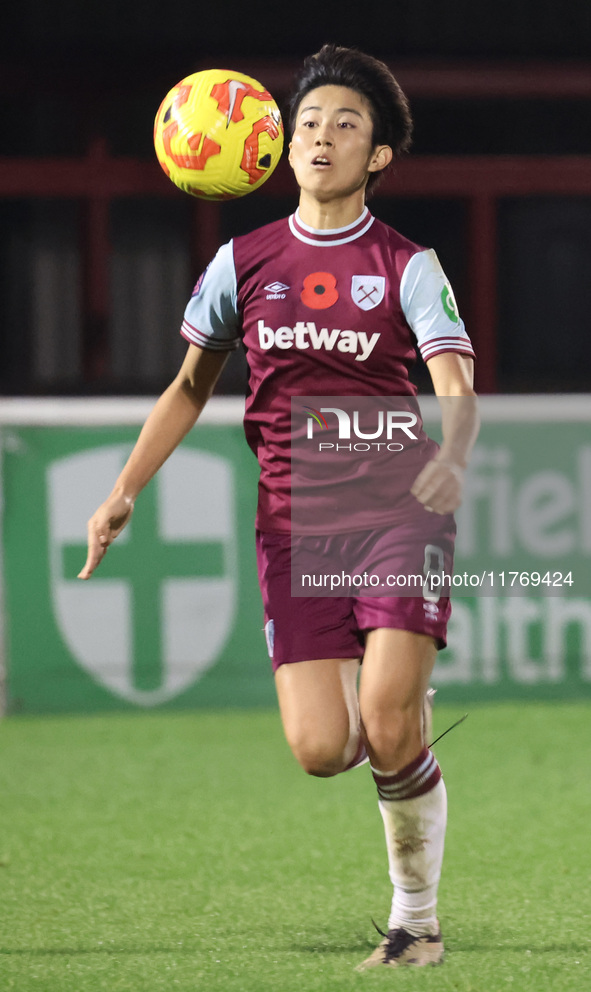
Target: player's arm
(173, 416)
(439, 485)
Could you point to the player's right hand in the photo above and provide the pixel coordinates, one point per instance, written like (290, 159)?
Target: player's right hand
(103, 527)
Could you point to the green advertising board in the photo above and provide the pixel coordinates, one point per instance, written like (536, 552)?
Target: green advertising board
(173, 616)
(525, 529)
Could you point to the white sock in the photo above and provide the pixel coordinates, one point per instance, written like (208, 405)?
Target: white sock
(413, 804)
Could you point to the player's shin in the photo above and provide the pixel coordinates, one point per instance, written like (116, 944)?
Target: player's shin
(413, 805)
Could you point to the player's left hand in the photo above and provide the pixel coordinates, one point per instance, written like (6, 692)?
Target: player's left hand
(439, 486)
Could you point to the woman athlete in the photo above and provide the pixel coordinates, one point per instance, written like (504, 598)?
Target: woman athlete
(357, 300)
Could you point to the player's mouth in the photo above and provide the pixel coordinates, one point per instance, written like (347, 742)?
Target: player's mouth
(321, 162)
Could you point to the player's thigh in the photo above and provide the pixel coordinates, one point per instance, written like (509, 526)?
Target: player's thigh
(397, 666)
(318, 704)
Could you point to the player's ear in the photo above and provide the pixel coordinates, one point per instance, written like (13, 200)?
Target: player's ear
(381, 157)
(289, 155)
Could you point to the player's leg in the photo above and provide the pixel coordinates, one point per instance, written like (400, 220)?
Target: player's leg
(317, 698)
(412, 800)
(397, 666)
(320, 713)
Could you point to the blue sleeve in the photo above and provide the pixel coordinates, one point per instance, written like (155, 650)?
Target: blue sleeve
(430, 308)
(211, 317)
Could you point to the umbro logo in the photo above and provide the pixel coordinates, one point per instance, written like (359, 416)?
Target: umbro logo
(276, 290)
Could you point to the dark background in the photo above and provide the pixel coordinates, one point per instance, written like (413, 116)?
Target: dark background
(73, 73)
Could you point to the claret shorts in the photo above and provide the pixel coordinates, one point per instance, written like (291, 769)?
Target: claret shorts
(305, 628)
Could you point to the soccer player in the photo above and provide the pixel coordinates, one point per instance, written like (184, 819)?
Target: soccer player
(331, 301)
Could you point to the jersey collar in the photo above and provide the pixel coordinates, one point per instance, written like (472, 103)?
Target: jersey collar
(330, 238)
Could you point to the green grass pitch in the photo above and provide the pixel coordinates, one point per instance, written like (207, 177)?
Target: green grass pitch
(188, 852)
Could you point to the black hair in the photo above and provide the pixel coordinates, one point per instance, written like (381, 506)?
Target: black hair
(372, 79)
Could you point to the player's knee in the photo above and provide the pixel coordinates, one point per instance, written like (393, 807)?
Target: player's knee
(318, 759)
(321, 767)
(388, 737)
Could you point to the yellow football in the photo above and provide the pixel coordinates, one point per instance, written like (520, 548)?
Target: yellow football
(218, 134)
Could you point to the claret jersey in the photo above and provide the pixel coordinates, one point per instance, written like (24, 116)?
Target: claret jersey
(338, 313)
